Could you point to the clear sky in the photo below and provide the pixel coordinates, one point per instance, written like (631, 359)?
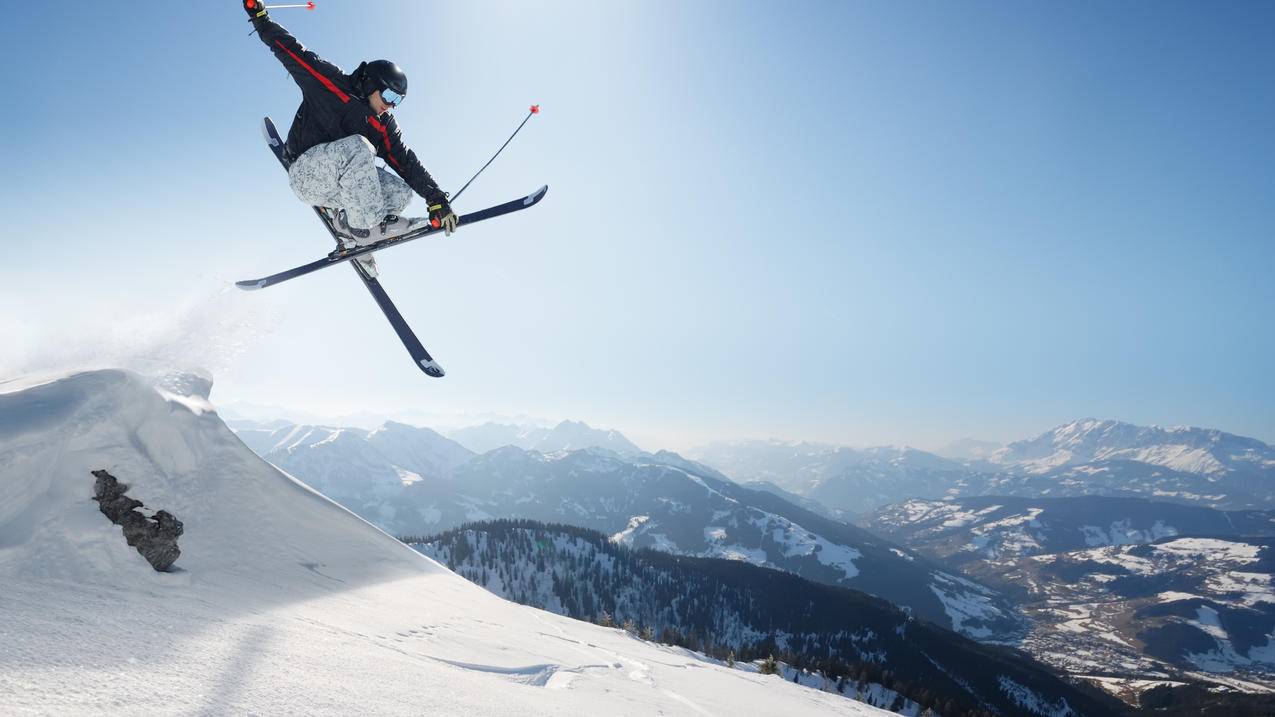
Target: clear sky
(861, 222)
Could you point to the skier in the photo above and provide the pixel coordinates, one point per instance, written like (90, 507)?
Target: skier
(343, 124)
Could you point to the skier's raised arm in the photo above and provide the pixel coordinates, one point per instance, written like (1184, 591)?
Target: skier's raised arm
(311, 72)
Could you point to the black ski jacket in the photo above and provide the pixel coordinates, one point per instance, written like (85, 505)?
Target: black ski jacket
(332, 108)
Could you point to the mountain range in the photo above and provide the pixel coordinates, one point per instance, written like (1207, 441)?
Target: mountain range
(657, 500)
(566, 436)
(1086, 457)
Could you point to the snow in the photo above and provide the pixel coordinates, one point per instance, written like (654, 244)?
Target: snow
(1224, 657)
(282, 601)
(735, 551)
(902, 554)
(663, 543)
(1032, 702)
(1121, 532)
(1078, 618)
(798, 541)
(1175, 596)
(718, 548)
(1208, 621)
(871, 693)
(1014, 520)
(1253, 588)
(1212, 549)
(406, 476)
(964, 606)
(714, 534)
(625, 537)
(1119, 686)
(1114, 556)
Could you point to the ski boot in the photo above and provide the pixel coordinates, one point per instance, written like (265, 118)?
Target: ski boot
(349, 239)
(390, 227)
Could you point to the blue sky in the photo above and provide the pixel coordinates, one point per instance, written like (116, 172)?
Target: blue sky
(844, 221)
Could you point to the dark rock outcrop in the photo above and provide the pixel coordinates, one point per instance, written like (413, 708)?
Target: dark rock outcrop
(155, 537)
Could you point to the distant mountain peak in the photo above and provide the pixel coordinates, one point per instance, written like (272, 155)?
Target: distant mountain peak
(1201, 451)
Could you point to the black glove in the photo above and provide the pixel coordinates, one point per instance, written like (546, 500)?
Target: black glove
(441, 214)
(256, 9)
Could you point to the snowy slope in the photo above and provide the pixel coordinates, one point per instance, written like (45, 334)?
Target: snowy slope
(282, 602)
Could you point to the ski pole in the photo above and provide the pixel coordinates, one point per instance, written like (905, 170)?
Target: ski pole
(535, 110)
(253, 3)
(307, 6)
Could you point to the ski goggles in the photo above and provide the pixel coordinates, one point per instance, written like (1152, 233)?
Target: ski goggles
(390, 97)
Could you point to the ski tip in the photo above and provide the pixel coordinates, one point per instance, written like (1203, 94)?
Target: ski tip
(535, 196)
(268, 131)
(431, 368)
(251, 284)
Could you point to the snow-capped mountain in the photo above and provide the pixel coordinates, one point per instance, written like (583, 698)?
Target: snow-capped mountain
(726, 607)
(566, 436)
(1199, 451)
(989, 527)
(1186, 465)
(413, 452)
(646, 500)
(362, 470)
(281, 601)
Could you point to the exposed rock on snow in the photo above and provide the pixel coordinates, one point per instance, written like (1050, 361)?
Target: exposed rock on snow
(154, 537)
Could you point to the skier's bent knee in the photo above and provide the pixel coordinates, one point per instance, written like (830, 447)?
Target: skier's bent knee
(367, 143)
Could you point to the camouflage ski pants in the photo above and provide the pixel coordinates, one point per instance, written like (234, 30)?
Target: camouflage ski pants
(343, 175)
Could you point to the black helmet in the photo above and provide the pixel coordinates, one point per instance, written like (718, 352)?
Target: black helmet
(380, 75)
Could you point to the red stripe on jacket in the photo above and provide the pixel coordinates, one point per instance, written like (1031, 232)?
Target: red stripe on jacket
(326, 82)
(385, 134)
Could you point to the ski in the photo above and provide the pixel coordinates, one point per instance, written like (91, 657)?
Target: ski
(340, 255)
(413, 345)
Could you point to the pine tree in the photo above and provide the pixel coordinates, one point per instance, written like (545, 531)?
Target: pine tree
(769, 666)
